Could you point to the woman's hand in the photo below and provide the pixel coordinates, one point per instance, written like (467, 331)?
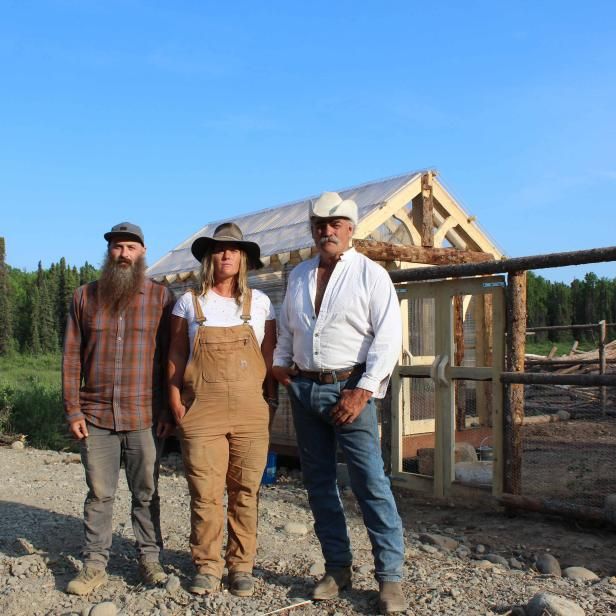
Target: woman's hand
(178, 411)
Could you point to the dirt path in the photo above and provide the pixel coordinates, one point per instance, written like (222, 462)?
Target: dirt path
(41, 499)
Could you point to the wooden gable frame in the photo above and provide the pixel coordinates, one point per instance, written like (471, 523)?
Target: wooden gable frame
(424, 211)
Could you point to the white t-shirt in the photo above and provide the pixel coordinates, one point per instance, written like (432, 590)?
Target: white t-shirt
(224, 312)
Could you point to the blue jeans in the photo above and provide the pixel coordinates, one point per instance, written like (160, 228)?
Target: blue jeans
(317, 437)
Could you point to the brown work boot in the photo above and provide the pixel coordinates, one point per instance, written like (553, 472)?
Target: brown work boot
(204, 584)
(151, 572)
(241, 584)
(330, 585)
(391, 598)
(87, 580)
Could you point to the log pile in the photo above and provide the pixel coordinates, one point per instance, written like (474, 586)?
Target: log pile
(547, 399)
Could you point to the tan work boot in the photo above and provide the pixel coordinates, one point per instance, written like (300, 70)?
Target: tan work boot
(241, 584)
(391, 598)
(88, 579)
(330, 585)
(204, 584)
(151, 572)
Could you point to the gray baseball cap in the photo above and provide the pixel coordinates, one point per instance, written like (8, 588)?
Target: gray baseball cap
(126, 229)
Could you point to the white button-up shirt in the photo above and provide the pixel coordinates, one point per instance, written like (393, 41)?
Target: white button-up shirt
(359, 321)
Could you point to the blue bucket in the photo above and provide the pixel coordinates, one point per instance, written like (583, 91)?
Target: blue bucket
(269, 474)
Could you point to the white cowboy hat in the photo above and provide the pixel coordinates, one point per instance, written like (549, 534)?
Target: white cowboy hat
(332, 205)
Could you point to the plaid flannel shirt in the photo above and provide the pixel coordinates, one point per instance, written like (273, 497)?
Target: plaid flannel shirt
(113, 366)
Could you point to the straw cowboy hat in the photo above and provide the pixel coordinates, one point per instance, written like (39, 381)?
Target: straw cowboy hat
(332, 205)
(230, 233)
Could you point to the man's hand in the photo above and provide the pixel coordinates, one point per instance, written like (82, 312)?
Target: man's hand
(79, 429)
(350, 405)
(283, 375)
(164, 428)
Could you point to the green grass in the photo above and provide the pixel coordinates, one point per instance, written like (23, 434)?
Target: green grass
(18, 370)
(31, 400)
(543, 348)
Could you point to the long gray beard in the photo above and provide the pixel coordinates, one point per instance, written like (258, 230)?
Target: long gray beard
(118, 285)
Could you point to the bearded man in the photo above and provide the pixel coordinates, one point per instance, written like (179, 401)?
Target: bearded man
(115, 350)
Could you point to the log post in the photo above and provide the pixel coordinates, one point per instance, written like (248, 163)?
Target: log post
(382, 251)
(602, 363)
(427, 206)
(514, 401)
(458, 328)
(483, 345)
(423, 211)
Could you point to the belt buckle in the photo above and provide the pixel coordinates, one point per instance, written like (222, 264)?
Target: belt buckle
(323, 373)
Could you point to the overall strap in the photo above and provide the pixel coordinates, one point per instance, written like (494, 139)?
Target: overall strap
(199, 316)
(246, 306)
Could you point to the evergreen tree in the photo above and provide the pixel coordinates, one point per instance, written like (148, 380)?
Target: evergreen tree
(536, 302)
(577, 303)
(87, 273)
(66, 285)
(559, 309)
(33, 340)
(48, 328)
(6, 321)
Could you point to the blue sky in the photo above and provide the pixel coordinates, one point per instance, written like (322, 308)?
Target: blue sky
(173, 114)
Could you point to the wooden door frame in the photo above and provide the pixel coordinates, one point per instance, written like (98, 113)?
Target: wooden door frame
(444, 375)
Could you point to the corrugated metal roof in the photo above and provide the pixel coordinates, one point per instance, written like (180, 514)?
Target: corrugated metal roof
(283, 228)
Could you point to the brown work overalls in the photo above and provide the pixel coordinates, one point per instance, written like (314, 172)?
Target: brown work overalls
(224, 437)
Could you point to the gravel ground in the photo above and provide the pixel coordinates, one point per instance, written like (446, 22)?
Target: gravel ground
(460, 560)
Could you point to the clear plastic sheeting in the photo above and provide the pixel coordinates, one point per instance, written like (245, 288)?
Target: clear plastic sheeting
(281, 229)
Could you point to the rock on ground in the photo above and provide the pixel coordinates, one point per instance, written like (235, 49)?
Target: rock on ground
(552, 604)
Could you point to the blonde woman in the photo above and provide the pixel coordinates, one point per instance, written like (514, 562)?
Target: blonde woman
(222, 396)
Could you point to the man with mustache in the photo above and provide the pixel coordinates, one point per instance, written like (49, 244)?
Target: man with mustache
(115, 350)
(340, 337)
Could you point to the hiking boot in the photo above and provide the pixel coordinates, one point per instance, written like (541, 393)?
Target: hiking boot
(330, 585)
(86, 581)
(151, 572)
(391, 598)
(241, 584)
(204, 584)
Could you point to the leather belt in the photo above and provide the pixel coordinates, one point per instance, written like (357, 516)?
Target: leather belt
(328, 377)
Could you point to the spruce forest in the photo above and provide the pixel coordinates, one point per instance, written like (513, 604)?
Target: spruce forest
(34, 305)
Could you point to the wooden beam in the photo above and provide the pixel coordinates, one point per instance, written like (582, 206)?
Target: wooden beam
(458, 334)
(427, 221)
(552, 506)
(379, 215)
(465, 222)
(517, 264)
(483, 333)
(444, 228)
(403, 216)
(514, 404)
(382, 251)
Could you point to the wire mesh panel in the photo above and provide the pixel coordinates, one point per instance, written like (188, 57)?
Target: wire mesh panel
(568, 445)
(421, 326)
(418, 394)
(420, 439)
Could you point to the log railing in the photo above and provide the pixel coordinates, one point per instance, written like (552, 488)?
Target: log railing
(515, 377)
